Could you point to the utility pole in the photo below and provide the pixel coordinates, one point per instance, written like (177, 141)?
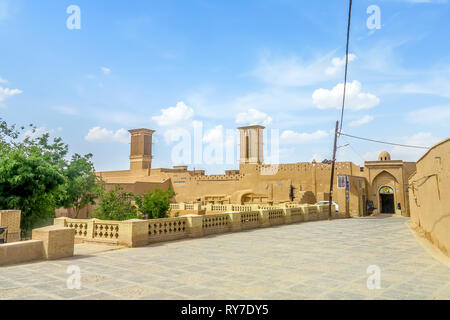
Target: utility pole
(333, 162)
(342, 112)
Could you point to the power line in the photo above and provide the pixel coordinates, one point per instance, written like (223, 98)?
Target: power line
(383, 142)
(354, 150)
(346, 63)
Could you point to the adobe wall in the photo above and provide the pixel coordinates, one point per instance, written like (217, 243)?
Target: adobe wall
(274, 182)
(71, 213)
(11, 220)
(429, 196)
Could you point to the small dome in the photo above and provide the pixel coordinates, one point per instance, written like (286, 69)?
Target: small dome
(384, 156)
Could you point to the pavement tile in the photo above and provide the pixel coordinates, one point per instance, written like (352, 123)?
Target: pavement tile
(313, 260)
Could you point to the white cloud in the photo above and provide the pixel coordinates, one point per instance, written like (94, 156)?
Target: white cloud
(292, 137)
(214, 136)
(98, 134)
(364, 120)
(338, 63)
(105, 70)
(36, 133)
(317, 157)
(6, 93)
(253, 117)
(290, 72)
(372, 155)
(214, 105)
(126, 119)
(432, 115)
(272, 99)
(355, 99)
(436, 84)
(295, 72)
(423, 139)
(173, 135)
(173, 116)
(2, 80)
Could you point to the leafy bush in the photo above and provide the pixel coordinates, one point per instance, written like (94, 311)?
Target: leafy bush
(116, 204)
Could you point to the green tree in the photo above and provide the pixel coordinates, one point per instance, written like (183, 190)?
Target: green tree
(155, 203)
(115, 204)
(81, 187)
(36, 177)
(30, 184)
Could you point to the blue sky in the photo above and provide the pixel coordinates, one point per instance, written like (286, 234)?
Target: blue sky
(171, 65)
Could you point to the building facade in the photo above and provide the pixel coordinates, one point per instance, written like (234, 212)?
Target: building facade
(382, 183)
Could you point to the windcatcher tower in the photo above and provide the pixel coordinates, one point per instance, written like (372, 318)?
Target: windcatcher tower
(141, 149)
(252, 146)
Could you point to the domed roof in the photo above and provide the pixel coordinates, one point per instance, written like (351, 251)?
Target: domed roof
(384, 155)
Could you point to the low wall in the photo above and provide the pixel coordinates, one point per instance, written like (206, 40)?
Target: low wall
(429, 196)
(18, 252)
(189, 208)
(48, 243)
(133, 233)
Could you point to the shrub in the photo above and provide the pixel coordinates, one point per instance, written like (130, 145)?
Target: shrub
(116, 205)
(155, 203)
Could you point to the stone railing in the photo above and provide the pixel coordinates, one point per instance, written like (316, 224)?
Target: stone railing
(80, 226)
(218, 207)
(108, 231)
(185, 206)
(167, 229)
(213, 208)
(276, 216)
(248, 207)
(105, 231)
(216, 223)
(135, 232)
(249, 220)
(112, 232)
(242, 208)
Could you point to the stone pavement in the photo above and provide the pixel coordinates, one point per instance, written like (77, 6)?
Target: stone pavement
(313, 260)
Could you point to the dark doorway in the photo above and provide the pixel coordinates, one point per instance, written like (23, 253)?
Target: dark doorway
(387, 203)
(364, 207)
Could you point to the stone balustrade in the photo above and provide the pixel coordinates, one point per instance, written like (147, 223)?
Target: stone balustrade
(57, 241)
(129, 233)
(195, 208)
